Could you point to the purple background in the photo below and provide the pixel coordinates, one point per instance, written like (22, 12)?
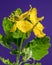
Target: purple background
(44, 7)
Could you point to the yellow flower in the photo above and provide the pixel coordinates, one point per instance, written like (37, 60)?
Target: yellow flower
(38, 27)
(22, 25)
(25, 25)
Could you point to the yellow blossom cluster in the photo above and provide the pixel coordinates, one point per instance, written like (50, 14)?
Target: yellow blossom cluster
(29, 21)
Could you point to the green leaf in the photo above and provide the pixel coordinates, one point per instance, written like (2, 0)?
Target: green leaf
(7, 25)
(1, 36)
(19, 34)
(5, 42)
(39, 47)
(38, 63)
(6, 61)
(29, 64)
(26, 64)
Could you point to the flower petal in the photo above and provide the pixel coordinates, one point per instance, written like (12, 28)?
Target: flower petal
(24, 26)
(39, 26)
(38, 30)
(33, 16)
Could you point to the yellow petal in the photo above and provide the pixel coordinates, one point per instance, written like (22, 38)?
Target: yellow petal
(24, 15)
(38, 33)
(33, 16)
(41, 18)
(39, 26)
(24, 26)
(38, 30)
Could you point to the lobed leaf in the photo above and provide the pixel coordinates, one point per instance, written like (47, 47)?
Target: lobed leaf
(39, 47)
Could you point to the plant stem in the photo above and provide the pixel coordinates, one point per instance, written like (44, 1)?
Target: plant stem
(20, 50)
(21, 44)
(17, 60)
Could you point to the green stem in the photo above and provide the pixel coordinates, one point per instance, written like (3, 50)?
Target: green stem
(18, 56)
(17, 60)
(21, 44)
